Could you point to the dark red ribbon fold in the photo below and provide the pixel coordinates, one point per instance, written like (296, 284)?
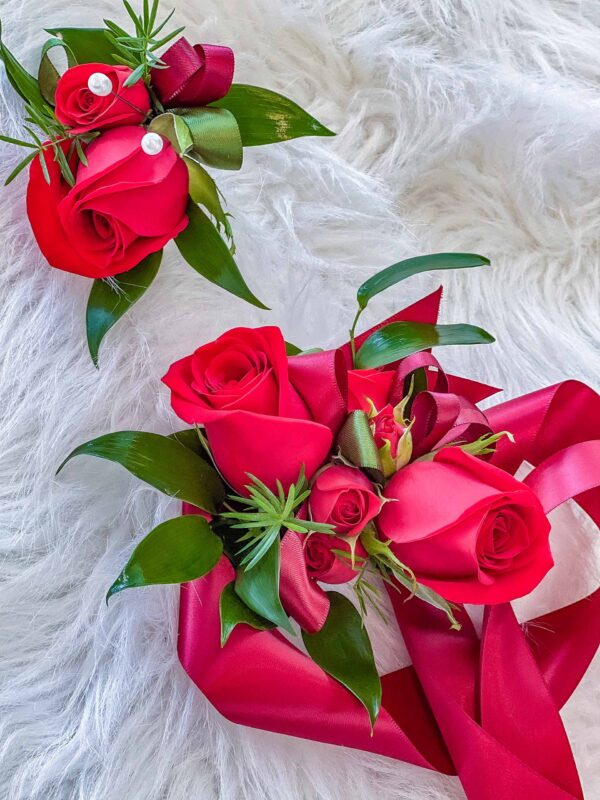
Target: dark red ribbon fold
(196, 75)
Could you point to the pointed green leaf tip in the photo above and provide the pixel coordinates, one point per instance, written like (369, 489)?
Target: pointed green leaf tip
(400, 339)
(176, 551)
(259, 588)
(234, 612)
(162, 462)
(343, 650)
(110, 300)
(265, 117)
(413, 266)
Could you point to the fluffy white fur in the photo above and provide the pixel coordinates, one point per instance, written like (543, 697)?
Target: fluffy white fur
(468, 125)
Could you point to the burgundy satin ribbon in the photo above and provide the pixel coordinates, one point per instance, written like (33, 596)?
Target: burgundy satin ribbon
(196, 76)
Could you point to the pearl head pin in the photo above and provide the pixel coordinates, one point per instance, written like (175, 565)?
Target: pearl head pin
(99, 84)
(152, 144)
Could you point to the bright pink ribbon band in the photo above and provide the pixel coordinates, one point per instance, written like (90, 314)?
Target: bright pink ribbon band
(485, 709)
(196, 75)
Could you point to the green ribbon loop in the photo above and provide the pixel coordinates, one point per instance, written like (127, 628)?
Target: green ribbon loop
(357, 445)
(215, 135)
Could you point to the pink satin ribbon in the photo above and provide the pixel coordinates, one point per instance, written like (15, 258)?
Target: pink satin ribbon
(196, 76)
(485, 709)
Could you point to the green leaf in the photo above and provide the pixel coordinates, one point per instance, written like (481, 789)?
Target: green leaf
(203, 190)
(413, 266)
(343, 650)
(174, 129)
(86, 45)
(21, 81)
(204, 250)
(292, 349)
(234, 611)
(400, 339)
(259, 588)
(48, 75)
(19, 142)
(176, 551)
(216, 136)
(160, 461)
(109, 301)
(265, 117)
(20, 167)
(189, 438)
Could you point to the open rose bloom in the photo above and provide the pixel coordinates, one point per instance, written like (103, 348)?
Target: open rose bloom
(324, 487)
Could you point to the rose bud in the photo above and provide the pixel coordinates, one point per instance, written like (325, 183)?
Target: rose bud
(391, 432)
(329, 559)
(467, 529)
(93, 97)
(128, 202)
(343, 497)
(368, 388)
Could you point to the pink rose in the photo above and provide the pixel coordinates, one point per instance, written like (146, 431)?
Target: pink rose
(467, 529)
(325, 565)
(81, 110)
(343, 497)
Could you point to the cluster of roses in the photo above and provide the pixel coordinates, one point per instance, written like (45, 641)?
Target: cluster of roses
(130, 189)
(466, 529)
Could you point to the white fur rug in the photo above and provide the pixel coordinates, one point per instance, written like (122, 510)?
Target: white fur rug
(469, 125)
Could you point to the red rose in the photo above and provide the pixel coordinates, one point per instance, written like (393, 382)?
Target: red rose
(343, 497)
(81, 110)
(125, 205)
(256, 422)
(327, 566)
(467, 529)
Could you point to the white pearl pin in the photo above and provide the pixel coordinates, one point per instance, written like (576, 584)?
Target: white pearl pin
(99, 84)
(152, 144)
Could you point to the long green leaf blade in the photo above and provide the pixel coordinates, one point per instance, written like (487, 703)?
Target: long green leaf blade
(259, 588)
(22, 82)
(234, 612)
(265, 117)
(343, 650)
(109, 301)
(176, 551)
(160, 461)
(413, 266)
(204, 250)
(400, 339)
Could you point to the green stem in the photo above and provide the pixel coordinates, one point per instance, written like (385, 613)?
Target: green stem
(352, 334)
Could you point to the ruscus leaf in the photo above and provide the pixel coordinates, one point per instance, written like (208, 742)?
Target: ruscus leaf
(206, 252)
(176, 551)
(413, 266)
(234, 611)
(86, 45)
(343, 650)
(265, 117)
(160, 461)
(400, 339)
(110, 300)
(259, 588)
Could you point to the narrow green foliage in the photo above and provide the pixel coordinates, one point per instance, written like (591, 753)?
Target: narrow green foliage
(138, 50)
(266, 514)
(393, 571)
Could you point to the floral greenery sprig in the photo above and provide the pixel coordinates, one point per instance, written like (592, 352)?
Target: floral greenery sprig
(139, 52)
(266, 514)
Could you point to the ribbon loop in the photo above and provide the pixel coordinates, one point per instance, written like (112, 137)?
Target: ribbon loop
(195, 75)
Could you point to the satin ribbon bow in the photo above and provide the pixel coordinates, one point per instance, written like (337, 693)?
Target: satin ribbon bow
(196, 76)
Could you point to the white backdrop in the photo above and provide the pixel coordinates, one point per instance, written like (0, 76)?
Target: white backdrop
(468, 125)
